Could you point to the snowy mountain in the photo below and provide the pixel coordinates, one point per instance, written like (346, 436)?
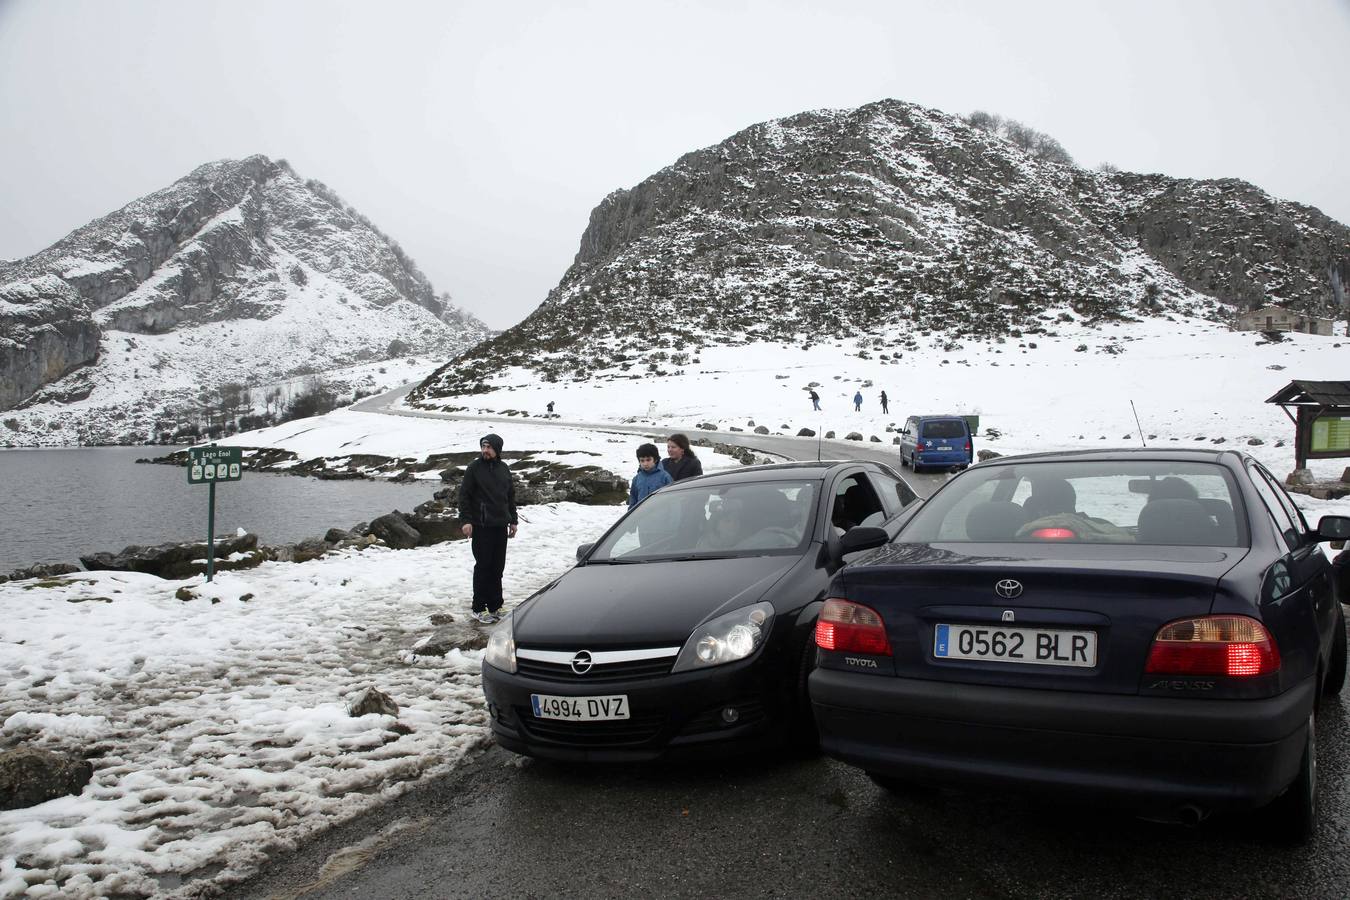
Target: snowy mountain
(240, 272)
(895, 226)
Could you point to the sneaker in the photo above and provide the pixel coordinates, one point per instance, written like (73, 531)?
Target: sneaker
(496, 614)
(483, 617)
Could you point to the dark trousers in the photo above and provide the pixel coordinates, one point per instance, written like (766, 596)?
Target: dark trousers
(489, 561)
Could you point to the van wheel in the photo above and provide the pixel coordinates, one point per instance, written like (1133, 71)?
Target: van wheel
(1335, 679)
(1292, 816)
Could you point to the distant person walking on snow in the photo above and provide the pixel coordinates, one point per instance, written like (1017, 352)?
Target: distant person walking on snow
(857, 402)
(550, 407)
(885, 405)
(650, 477)
(680, 461)
(487, 506)
(815, 401)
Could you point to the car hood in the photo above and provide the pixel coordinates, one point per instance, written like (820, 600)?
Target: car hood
(642, 604)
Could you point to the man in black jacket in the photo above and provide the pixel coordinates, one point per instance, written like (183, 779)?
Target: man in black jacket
(487, 507)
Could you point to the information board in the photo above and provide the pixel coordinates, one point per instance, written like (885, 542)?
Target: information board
(1330, 434)
(208, 465)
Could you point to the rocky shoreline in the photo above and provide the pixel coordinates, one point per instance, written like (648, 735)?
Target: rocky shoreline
(537, 481)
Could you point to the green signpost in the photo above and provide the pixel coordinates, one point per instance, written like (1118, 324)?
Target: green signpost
(208, 465)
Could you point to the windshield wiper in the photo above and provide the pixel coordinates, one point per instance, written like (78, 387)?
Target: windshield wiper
(612, 561)
(694, 556)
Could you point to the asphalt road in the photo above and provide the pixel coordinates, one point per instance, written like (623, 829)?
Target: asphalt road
(784, 826)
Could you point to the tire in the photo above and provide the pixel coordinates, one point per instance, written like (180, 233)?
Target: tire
(1292, 817)
(1335, 677)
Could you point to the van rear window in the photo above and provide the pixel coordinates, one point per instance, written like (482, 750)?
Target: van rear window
(951, 428)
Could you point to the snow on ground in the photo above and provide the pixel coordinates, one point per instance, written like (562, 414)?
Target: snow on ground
(219, 725)
(219, 728)
(347, 432)
(1191, 381)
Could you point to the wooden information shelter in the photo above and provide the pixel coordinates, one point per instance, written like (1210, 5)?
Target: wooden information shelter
(1321, 418)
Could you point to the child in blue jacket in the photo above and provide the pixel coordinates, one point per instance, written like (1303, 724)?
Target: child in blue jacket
(650, 476)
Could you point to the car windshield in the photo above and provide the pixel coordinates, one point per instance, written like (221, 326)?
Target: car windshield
(1095, 502)
(944, 428)
(716, 519)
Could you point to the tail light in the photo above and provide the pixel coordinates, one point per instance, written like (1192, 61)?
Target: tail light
(852, 628)
(1213, 645)
(1054, 534)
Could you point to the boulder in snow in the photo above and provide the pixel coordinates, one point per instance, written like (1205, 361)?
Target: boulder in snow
(29, 776)
(371, 700)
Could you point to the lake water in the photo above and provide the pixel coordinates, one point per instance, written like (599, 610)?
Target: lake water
(58, 504)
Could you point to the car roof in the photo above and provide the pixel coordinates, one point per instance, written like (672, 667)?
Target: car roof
(1120, 454)
(812, 470)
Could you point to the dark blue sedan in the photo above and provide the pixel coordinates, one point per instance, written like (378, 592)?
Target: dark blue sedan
(1153, 629)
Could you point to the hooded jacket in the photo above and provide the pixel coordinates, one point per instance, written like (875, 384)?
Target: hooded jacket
(487, 495)
(645, 483)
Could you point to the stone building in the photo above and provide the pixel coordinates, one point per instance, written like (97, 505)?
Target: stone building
(1277, 318)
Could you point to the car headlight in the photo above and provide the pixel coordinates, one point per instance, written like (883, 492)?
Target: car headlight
(501, 646)
(727, 638)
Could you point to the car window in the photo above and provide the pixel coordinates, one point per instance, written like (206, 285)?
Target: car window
(944, 428)
(715, 519)
(1096, 501)
(1286, 501)
(1270, 499)
(895, 493)
(855, 501)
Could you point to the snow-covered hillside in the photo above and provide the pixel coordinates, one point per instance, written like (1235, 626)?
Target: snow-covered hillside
(903, 224)
(1193, 383)
(241, 272)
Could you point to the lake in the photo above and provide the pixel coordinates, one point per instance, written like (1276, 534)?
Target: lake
(58, 504)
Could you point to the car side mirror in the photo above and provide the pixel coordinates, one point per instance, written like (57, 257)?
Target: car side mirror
(1333, 528)
(864, 537)
(583, 550)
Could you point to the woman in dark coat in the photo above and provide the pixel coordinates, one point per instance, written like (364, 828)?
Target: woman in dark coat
(680, 461)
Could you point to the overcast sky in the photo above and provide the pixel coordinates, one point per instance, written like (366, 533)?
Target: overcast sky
(481, 135)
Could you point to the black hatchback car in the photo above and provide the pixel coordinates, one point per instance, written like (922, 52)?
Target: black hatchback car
(1149, 628)
(689, 626)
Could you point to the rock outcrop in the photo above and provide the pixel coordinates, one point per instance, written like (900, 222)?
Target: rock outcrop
(259, 275)
(893, 218)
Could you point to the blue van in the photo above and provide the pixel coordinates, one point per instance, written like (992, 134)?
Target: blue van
(938, 441)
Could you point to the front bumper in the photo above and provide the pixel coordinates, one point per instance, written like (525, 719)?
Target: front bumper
(671, 716)
(1148, 754)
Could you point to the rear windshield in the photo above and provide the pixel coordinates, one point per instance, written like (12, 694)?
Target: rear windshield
(946, 428)
(1095, 502)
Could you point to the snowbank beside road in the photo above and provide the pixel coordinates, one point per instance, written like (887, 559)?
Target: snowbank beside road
(218, 726)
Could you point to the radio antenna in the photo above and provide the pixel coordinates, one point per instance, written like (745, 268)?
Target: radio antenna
(1137, 425)
(818, 433)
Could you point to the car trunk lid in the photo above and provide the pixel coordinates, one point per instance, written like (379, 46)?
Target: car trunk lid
(1082, 619)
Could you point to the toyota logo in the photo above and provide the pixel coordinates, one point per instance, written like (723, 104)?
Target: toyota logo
(1007, 589)
(582, 662)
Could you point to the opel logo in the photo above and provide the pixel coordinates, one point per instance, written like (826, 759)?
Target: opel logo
(1007, 589)
(581, 663)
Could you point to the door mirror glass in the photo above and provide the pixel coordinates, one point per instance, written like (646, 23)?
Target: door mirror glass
(1333, 528)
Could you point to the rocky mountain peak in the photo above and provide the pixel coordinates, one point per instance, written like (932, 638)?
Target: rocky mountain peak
(894, 216)
(305, 282)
